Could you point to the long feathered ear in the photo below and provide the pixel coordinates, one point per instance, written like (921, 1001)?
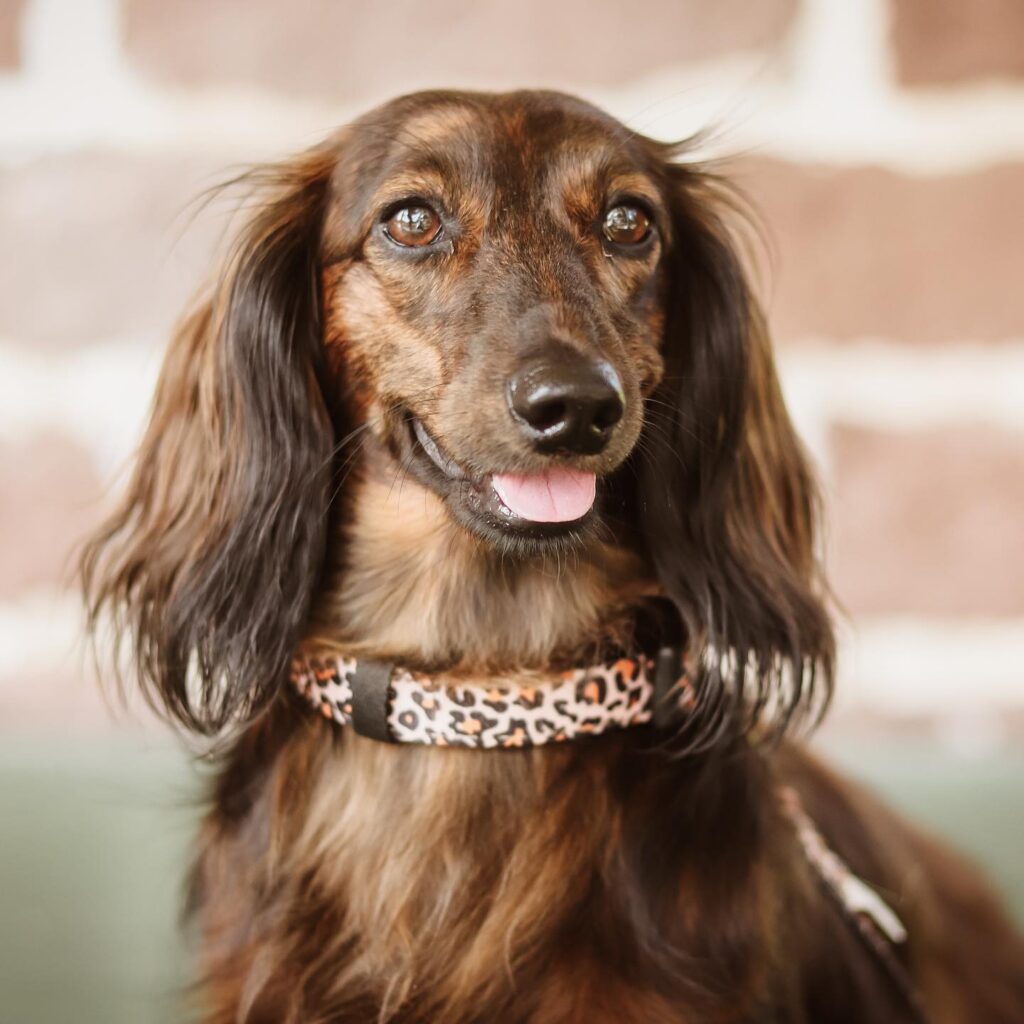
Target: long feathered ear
(728, 506)
(208, 567)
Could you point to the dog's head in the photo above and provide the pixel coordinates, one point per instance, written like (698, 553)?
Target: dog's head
(495, 286)
(536, 313)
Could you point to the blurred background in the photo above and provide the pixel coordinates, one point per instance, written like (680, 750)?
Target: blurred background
(883, 141)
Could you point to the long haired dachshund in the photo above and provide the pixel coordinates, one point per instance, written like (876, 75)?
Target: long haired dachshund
(475, 441)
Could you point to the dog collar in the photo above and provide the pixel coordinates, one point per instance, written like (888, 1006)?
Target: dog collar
(393, 704)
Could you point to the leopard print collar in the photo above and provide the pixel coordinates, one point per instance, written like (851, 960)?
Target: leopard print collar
(397, 705)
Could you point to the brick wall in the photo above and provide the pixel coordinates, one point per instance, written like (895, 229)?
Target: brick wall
(883, 141)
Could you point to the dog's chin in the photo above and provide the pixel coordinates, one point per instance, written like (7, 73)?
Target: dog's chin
(475, 500)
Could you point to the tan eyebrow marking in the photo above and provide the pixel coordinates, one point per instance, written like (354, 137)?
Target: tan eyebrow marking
(412, 183)
(585, 181)
(635, 184)
(434, 125)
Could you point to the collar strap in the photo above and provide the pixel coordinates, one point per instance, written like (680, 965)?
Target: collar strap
(395, 705)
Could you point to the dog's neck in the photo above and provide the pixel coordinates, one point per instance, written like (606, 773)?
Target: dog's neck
(412, 585)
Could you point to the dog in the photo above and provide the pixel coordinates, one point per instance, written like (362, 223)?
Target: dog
(475, 441)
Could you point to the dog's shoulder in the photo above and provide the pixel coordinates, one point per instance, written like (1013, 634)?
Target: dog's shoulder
(964, 953)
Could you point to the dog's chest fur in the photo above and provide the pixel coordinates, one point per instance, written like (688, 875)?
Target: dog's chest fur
(342, 878)
(355, 879)
(464, 886)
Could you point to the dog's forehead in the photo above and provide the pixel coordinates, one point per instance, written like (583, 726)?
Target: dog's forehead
(451, 123)
(515, 143)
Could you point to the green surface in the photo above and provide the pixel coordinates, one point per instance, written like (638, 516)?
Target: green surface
(976, 802)
(92, 854)
(94, 847)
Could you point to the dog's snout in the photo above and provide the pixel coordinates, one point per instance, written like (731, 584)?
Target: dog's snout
(567, 402)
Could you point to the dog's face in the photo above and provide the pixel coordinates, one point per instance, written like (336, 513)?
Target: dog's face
(535, 312)
(494, 284)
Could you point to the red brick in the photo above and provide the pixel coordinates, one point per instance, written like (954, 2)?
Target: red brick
(929, 523)
(939, 42)
(10, 31)
(869, 252)
(360, 51)
(50, 497)
(103, 245)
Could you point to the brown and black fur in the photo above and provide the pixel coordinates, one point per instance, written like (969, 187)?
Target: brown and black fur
(647, 876)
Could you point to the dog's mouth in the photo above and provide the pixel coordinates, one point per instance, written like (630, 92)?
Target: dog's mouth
(555, 502)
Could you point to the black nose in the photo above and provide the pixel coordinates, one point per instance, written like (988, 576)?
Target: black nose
(566, 402)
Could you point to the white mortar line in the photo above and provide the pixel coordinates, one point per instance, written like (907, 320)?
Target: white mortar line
(895, 665)
(884, 386)
(830, 95)
(40, 634)
(910, 665)
(841, 54)
(892, 386)
(100, 395)
(82, 37)
(839, 104)
(78, 90)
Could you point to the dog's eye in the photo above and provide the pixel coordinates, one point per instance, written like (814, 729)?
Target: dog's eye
(626, 225)
(413, 225)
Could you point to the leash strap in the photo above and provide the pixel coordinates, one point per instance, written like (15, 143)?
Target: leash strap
(873, 921)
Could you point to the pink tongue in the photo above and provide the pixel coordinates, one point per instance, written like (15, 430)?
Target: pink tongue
(557, 496)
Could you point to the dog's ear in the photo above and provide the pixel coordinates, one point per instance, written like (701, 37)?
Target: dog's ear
(728, 505)
(209, 565)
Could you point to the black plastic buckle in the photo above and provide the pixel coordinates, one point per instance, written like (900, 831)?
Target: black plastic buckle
(371, 683)
(668, 671)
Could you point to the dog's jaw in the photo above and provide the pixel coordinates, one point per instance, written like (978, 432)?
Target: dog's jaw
(416, 584)
(493, 506)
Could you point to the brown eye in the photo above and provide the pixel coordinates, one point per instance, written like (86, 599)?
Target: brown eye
(626, 225)
(413, 226)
